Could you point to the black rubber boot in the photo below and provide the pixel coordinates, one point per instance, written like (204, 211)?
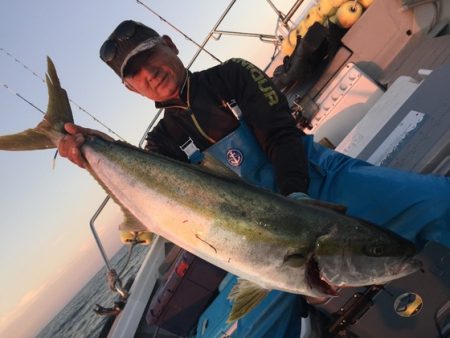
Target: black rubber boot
(308, 52)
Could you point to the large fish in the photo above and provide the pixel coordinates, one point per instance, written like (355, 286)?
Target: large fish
(267, 239)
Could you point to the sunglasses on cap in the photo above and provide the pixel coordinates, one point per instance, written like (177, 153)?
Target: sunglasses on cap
(125, 31)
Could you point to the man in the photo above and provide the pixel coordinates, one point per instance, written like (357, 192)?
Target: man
(197, 104)
(235, 113)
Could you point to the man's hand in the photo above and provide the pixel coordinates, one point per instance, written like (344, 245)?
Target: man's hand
(69, 145)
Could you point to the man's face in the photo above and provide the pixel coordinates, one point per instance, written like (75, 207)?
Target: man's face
(161, 76)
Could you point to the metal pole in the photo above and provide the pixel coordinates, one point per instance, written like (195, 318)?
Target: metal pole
(279, 13)
(212, 32)
(97, 239)
(262, 37)
(291, 12)
(179, 31)
(155, 118)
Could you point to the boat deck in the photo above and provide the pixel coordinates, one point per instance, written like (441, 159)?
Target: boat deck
(428, 53)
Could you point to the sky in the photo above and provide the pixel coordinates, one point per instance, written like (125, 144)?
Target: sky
(47, 252)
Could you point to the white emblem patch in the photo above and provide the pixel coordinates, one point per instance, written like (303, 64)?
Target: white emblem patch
(234, 157)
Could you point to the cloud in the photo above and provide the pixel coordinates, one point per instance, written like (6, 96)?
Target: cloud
(8, 322)
(31, 295)
(40, 304)
(56, 242)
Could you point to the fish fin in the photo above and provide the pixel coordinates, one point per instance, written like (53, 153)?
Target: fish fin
(321, 204)
(245, 296)
(29, 139)
(131, 223)
(58, 108)
(133, 231)
(294, 260)
(210, 163)
(136, 237)
(46, 134)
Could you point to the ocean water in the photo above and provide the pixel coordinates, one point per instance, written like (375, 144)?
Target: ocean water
(77, 318)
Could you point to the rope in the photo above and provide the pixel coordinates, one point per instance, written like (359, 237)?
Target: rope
(43, 80)
(130, 251)
(114, 279)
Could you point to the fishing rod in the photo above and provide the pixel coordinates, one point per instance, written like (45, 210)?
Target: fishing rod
(17, 60)
(202, 47)
(263, 37)
(14, 92)
(283, 19)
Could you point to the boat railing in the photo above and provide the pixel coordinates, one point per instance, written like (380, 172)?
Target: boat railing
(215, 33)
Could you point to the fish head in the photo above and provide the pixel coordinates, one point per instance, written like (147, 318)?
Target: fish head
(359, 256)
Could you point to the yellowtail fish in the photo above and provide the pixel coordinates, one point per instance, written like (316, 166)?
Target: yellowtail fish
(270, 241)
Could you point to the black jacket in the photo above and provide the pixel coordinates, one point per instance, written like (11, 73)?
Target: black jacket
(205, 118)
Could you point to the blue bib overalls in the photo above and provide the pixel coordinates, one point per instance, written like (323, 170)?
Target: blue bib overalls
(414, 206)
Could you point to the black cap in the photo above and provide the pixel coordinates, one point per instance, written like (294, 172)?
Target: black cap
(127, 40)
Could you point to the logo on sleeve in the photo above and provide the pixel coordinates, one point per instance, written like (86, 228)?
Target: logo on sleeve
(261, 80)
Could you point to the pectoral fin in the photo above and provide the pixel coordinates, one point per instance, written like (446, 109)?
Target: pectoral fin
(294, 260)
(332, 206)
(245, 295)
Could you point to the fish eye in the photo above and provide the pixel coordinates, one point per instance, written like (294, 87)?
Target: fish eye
(375, 250)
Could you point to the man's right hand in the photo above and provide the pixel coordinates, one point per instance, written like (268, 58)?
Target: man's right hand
(69, 146)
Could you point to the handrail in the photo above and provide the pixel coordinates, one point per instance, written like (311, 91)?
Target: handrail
(284, 20)
(114, 279)
(291, 12)
(262, 37)
(208, 37)
(94, 232)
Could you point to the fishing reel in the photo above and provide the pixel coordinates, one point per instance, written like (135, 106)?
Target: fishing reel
(303, 109)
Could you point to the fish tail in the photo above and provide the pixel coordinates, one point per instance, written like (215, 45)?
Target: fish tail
(48, 132)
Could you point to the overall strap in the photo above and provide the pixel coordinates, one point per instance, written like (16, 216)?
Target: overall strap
(192, 152)
(233, 106)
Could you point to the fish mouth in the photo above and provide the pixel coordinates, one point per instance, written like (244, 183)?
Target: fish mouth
(315, 280)
(409, 266)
